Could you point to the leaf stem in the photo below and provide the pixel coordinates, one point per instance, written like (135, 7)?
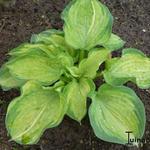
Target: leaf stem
(81, 55)
(64, 79)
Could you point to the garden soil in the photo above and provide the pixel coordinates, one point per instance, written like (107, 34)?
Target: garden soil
(19, 22)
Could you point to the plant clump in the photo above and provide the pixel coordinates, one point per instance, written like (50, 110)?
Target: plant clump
(55, 73)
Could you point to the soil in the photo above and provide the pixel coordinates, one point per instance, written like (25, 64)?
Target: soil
(19, 22)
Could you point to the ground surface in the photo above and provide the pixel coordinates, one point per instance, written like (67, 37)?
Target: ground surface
(132, 22)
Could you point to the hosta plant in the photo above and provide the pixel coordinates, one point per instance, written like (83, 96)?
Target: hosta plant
(55, 72)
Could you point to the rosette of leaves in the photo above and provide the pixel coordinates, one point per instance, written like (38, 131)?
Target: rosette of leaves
(55, 72)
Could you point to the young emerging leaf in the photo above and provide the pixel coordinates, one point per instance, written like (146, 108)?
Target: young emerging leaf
(8, 81)
(89, 66)
(29, 115)
(87, 23)
(76, 94)
(115, 111)
(36, 67)
(132, 66)
(114, 43)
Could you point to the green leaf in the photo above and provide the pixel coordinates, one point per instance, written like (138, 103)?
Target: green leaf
(114, 43)
(89, 66)
(50, 36)
(132, 66)
(115, 111)
(36, 67)
(55, 38)
(36, 110)
(76, 94)
(65, 59)
(8, 81)
(38, 49)
(87, 23)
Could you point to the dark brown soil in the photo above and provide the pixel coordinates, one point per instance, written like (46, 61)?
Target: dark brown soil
(18, 23)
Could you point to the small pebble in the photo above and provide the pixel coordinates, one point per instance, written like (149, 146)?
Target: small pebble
(42, 16)
(81, 141)
(144, 30)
